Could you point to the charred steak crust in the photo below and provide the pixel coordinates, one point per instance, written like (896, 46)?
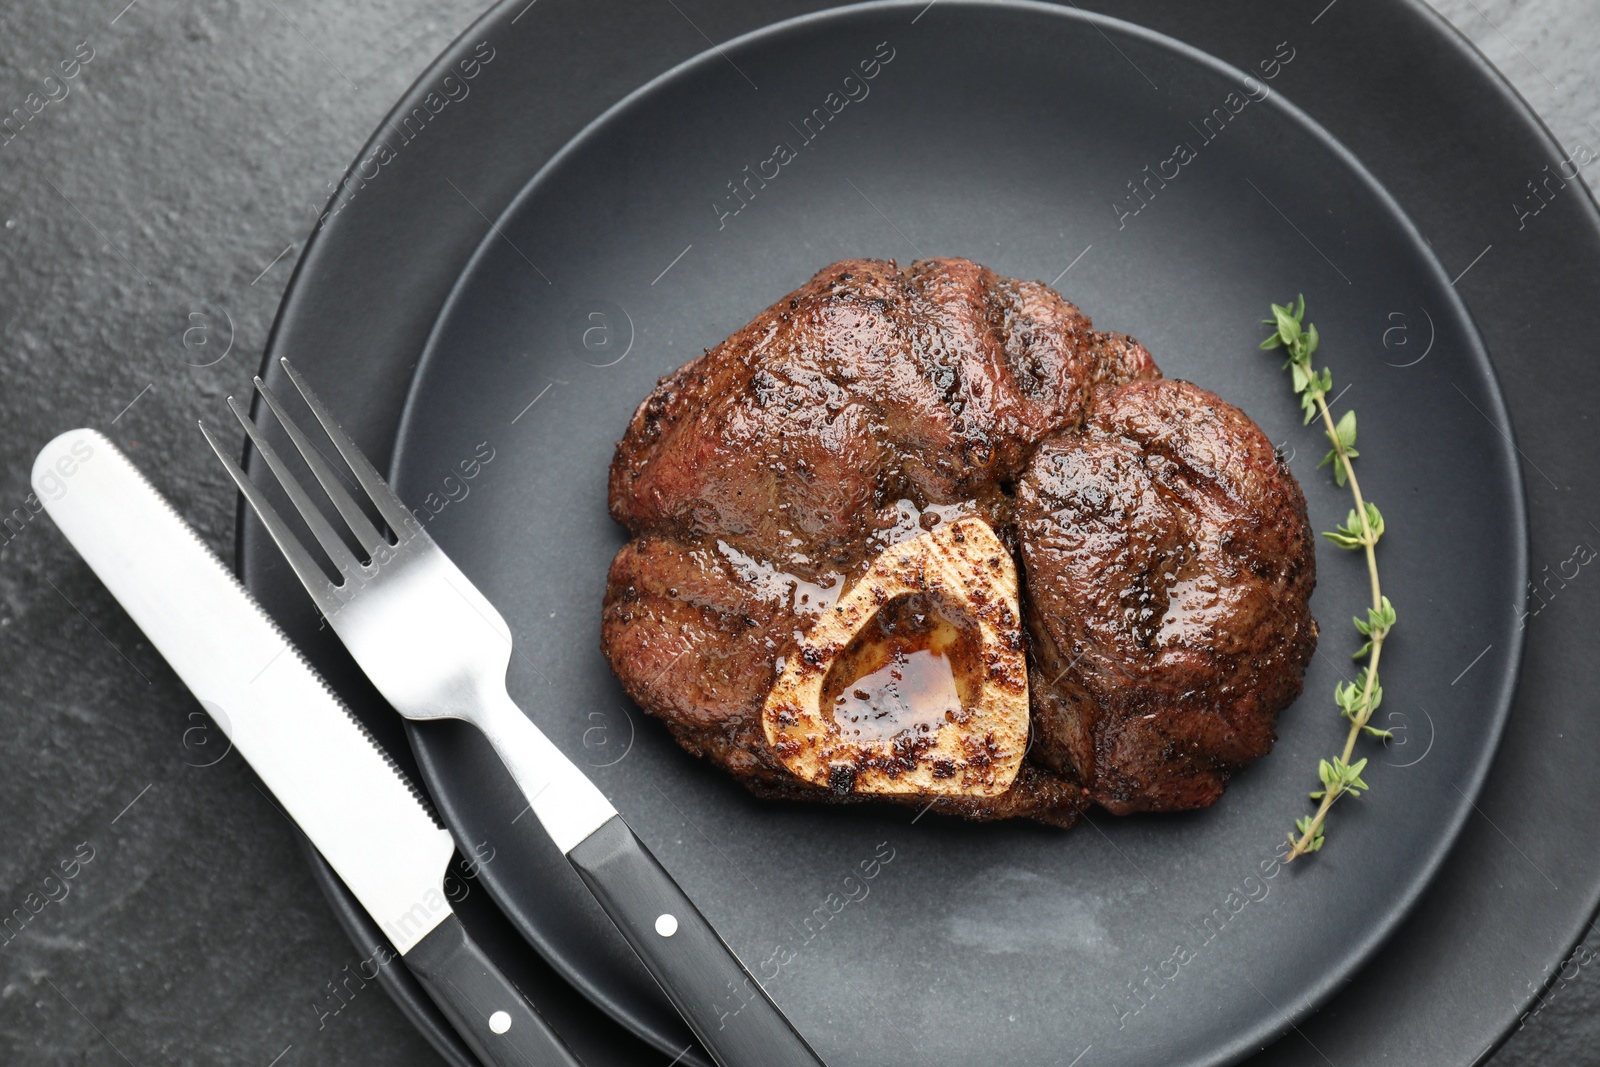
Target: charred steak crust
(1169, 567)
(867, 385)
(759, 481)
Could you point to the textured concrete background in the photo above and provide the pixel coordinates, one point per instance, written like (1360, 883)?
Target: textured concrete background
(149, 220)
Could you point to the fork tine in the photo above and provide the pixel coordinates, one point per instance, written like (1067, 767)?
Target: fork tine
(305, 567)
(390, 506)
(365, 532)
(330, 541)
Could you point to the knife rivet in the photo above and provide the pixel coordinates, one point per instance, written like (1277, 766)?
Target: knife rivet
(666, 925)
(500, 1022)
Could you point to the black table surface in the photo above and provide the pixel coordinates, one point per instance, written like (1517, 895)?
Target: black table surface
(149, 220)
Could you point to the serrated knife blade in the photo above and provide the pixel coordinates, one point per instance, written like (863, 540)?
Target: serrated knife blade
(326, 771)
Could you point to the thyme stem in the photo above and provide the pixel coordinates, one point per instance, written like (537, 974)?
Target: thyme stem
(1369, 542)
(1357, 700)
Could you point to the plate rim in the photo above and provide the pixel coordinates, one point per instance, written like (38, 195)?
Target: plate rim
(1397, 910)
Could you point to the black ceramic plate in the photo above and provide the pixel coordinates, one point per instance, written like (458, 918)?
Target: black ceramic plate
(1044, 143)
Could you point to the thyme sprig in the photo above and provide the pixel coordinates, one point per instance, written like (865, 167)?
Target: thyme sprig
(1356, 700)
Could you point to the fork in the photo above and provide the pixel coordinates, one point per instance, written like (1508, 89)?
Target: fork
(436, 648)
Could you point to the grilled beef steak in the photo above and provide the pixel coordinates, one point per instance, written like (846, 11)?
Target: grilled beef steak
(875, 411)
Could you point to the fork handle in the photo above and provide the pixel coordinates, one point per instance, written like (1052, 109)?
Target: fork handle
(722, 1002)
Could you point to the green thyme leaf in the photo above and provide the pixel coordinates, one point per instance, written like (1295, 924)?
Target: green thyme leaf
(1350, 776)
(1328, 773)
(1347, 696)
(1379, 621)
(1346, 429)
(1288, 329)
(1343, 538)
(1374, 520)
(1303, 825)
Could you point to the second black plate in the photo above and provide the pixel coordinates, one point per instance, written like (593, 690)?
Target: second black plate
(1045, 144)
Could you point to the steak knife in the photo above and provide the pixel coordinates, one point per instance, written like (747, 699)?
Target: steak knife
(324, 768)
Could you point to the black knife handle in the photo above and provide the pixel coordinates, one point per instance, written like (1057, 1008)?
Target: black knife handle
(489, 1013)
(723, 1004)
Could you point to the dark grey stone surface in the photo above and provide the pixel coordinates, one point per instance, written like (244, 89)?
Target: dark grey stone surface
(178, 177)
(180, 174)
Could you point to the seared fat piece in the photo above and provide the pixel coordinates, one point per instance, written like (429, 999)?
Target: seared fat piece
(761, 482)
